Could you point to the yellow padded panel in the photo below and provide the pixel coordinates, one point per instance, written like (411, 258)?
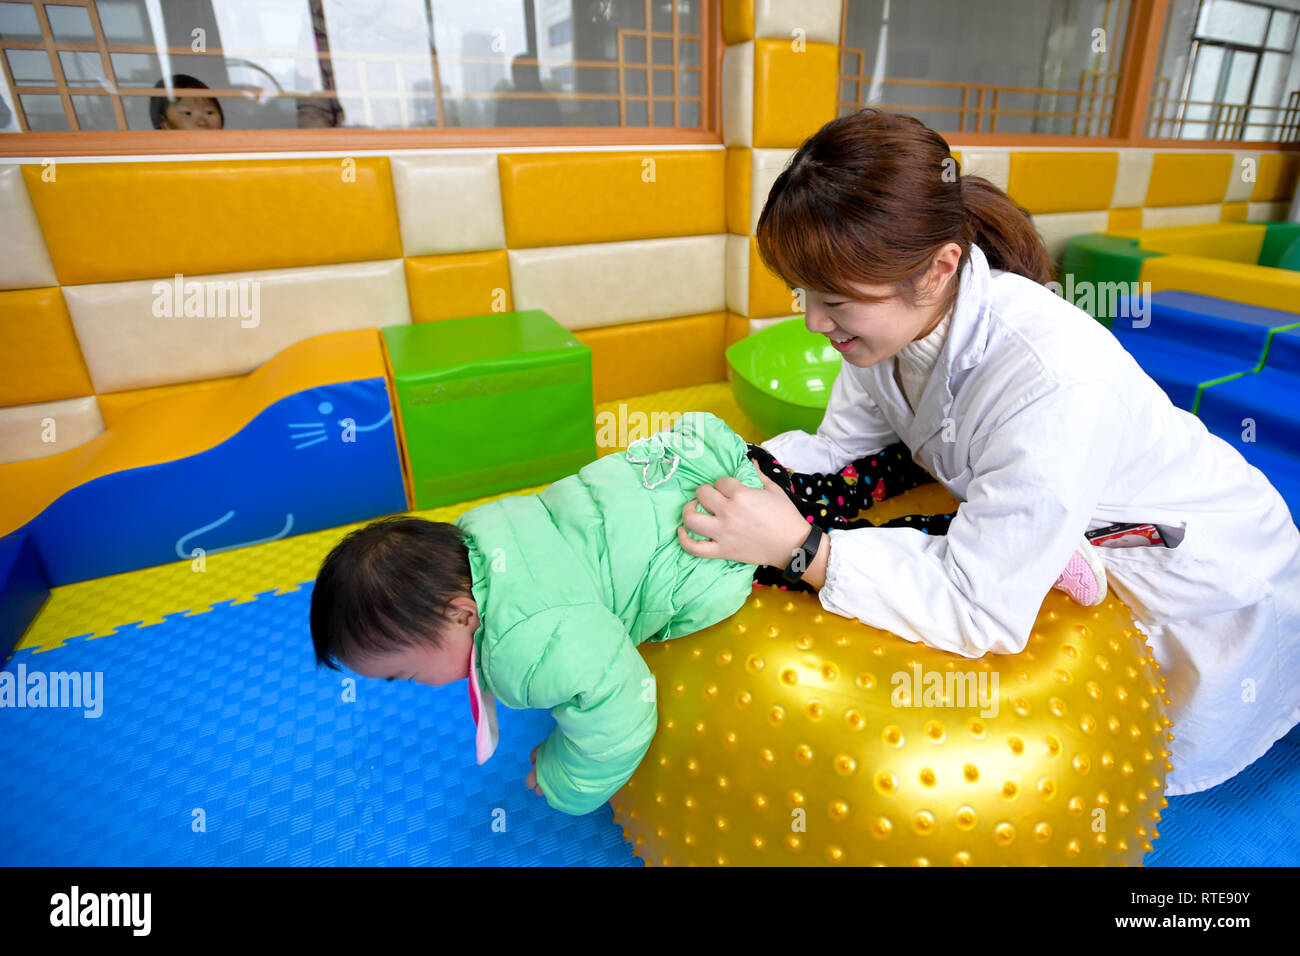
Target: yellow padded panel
(794, 92)
(1251, 284)
(113, 405)
(107, 222)
(641, 357)
(737, 21)
(737, 329)
(1062, 182)
(190, 423)
(1128, 221)
(1235, 242)
(40, 360)
(1235, 212)
(1188, 179)
(740, 172)
(567, 199)
(459, 285)
(769, 295)
(1276, 178)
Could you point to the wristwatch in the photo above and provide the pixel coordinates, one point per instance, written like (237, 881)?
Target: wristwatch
(803, 558)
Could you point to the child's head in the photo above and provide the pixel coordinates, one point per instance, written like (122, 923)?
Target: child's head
(185, 112)
(872, 219)
(394, 600)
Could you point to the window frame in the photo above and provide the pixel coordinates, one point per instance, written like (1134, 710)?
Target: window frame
(140, 143)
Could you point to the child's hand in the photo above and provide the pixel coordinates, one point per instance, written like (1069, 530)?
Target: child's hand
(531, 781)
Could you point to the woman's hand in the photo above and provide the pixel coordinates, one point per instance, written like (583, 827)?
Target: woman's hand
(744, 524)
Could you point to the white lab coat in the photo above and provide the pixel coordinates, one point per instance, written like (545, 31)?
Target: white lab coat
(1043, 426)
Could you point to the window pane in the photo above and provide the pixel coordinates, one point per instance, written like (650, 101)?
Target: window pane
(1040, 67)
(82, 68)
(18, 22)
(372, 63)
(1281, 31)
(1232, 21)
(70, 24)
(44, 113)
(1202, 92)
(94, 112)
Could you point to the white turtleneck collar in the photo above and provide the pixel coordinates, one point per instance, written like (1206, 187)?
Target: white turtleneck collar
(916, 360)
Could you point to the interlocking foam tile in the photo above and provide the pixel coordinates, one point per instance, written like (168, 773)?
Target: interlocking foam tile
(98, 608)
(226, 713)
(1251, 820)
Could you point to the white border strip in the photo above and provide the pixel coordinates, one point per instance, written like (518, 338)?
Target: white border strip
(344, 153)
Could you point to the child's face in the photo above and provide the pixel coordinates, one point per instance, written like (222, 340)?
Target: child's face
(880, 329)
(198, 113)
(426, 664)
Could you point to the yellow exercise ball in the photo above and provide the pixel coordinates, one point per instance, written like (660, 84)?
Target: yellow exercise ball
(791, 736)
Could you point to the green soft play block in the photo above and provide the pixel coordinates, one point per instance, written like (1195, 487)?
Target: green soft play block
(491, 404)
(1093, 258)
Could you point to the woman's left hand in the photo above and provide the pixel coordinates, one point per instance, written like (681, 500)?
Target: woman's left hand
(744, 524)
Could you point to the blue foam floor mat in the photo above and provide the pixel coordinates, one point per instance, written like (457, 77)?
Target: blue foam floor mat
(223, 718)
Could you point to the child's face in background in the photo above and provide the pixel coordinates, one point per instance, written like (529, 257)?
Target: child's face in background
(878, 329)
(424, 663)
(196, 113)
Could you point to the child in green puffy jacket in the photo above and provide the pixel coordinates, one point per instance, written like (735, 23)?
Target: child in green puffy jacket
(540, 600)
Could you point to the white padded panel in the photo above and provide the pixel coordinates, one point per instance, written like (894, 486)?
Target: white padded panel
(24, 260)
(1057, 228)
(1271, 211)
(448, 203)
(607, 283)
(1132, 178)
(1240, 188)
(738, 274)
(765, 166)
(76, 421)
(738, 95)
(993, 164)
(127, 347)
(1157, 217)
(819, 19)
(758, 325)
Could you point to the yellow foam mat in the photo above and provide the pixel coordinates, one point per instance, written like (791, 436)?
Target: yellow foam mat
(98, 608)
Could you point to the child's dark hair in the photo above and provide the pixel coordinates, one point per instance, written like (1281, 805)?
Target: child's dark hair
(386, 586)
(872, 196)
(180, 81)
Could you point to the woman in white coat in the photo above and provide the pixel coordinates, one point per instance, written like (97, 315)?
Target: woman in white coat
(1037, 420)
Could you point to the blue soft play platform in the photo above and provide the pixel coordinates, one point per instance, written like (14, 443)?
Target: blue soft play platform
(222, 718)
(1191, 339)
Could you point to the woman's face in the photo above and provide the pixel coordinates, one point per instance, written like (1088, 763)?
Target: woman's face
(866, 332)
(198, 113)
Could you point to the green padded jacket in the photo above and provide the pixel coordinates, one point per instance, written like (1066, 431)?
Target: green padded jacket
(570, 580)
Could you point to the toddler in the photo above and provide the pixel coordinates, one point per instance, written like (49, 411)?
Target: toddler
(540, 600)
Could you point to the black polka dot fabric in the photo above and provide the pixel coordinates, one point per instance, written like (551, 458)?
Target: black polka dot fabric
(833, 502)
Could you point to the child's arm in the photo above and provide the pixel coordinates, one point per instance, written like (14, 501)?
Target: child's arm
(602, 697)
(852, 427)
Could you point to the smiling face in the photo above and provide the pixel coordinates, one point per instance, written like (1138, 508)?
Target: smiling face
(871, 328)
(424, 663)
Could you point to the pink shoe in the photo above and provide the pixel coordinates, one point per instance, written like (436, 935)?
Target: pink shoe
(1084, 577)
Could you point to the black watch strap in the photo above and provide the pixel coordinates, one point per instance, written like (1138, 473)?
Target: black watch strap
(803, 558)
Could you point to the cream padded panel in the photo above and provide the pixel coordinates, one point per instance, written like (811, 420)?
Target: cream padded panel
(76, 421)
(778, 19)
(126, 346)
(24, 261)
(448, 203)
(1157, 217)
(738, 95)
(767, 165)
(608, 283)
(1057, 228)
(1132, 178)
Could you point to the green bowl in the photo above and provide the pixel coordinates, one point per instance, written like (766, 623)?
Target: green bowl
(782, 376)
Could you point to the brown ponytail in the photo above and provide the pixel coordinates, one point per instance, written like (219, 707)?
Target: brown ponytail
(1003, 231)
(871, 197)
